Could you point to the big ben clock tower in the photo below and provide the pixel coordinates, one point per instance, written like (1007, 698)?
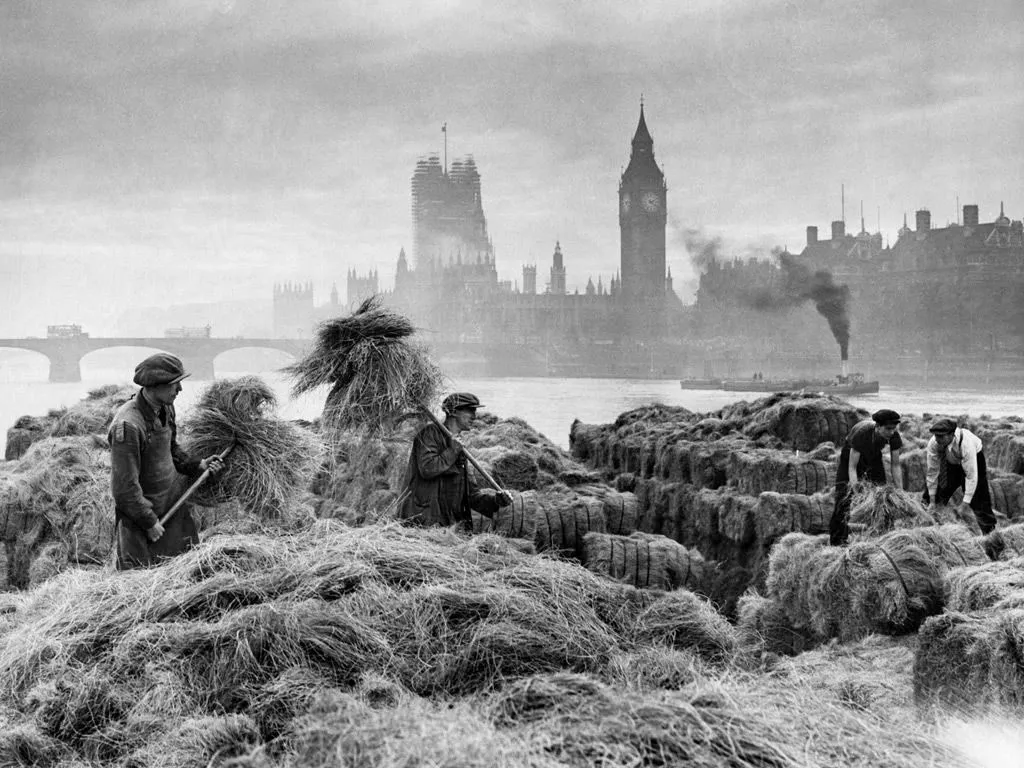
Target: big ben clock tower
(642, 195)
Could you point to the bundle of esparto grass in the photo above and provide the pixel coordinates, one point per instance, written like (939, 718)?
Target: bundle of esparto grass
(684, 620)
(988, 586)
(763, 627)
(563, 520)
(1005, 543)
(376, 374)
(272, 461)
(754, 472)
(952, 665)
(883, 508)
(776, 514)
(644, 560)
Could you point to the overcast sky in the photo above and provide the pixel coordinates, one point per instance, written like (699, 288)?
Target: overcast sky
(156, 152)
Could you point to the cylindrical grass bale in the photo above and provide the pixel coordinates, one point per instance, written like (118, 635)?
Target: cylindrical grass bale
(1004, 543)
(686, 621)
(983, 587)
(952, 663)
(563, 522)
(755, 473)
(272, 462)
(776, 514)
(517, 520)
(763, 627)
(948, 546)
(1007, 491)
(620, 508)
(643, 560)
(914, 466)
(883, 508)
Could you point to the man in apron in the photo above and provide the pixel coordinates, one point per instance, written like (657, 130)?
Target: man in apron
(146, 464)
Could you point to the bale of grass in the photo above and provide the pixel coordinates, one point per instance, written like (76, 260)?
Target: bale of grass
(561, 524)
(776, 514)
(763, 627)
(1005, 543)
(952, 664)
(1007, 492)
(517, 520)
(803, 422)
(883, 508)
(948, 546)
(621, 508)
(686, 621)
(272, 461)
(753, 472)
(643, 561)
(986, 586)
(376, 374)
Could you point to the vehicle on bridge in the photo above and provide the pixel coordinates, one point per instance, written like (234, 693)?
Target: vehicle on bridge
(186, 332)
(65, 332)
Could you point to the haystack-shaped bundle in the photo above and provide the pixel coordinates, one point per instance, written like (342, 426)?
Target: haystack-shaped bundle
(753, 472)
(776, 514)
(643, 560)
(763, 627)
(1007, 492)
(1005, 543)
(883, 508)
(357, 465)
(375, 372)
(563, 521)
(90, 416)
(272, 461)
(683, 620)
(803, 421)
(988, 586)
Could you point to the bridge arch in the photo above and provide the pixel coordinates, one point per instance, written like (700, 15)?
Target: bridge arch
(268, 358)
(23, 363)
(115, 363)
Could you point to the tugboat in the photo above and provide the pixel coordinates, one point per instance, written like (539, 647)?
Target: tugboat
(694, 383)
(842, 384)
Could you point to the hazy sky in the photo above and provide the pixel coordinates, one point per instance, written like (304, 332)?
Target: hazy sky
(155, 152)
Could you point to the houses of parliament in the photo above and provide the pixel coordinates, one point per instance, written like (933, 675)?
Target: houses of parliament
(948, 296)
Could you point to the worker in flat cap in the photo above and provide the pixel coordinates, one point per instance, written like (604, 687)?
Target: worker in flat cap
(148, 465)
(955, 459)
(440, 489)
(861, 460)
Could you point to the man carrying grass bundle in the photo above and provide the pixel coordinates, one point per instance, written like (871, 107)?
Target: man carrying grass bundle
(440, 490)
(955, 460)
(145, 461)
(861, 459)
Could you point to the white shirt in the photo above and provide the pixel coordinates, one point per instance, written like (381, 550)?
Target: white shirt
(963, 450)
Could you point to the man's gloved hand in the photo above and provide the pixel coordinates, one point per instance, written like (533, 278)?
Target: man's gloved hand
(154, 533)
(504, 498)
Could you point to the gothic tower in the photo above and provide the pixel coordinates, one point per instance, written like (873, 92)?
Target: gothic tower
(642, 196)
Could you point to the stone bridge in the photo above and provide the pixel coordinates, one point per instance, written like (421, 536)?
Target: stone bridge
(198, 354)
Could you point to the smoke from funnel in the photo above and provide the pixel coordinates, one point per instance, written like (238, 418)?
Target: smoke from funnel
(800, 284)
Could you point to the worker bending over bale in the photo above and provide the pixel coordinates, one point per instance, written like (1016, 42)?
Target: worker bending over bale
(440, 489)
(861, 459)
(956, 460)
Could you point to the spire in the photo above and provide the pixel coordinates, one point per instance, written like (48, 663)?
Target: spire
(642, 137)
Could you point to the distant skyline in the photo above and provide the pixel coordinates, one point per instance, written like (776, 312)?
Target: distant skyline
(183, 151)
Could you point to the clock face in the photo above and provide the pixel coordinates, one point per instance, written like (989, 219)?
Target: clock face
(626, 203)
(650, 201)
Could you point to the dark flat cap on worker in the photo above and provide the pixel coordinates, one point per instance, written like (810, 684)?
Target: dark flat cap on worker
(885, 416)
(943, 427)
(161, 368)
(458, 400)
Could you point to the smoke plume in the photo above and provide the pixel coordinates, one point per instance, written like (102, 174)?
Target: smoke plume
(703, 250)
(800, 284)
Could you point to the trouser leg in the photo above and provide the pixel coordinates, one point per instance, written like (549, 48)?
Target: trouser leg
(981, 503)
(838, 527)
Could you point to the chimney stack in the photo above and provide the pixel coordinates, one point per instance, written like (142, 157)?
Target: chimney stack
(924, 220)
(812, 235)
(970, 215)
(838, 229)
(845, 368)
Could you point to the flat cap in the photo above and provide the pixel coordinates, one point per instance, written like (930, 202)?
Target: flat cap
(161, 368)
(458, 400)
(943, 427)
(885, 416)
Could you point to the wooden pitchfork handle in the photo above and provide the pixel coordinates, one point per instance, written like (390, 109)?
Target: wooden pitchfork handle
(191, 489)
(483, 472)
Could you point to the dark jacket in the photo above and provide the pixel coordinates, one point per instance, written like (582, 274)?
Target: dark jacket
(441, 490)
(146, 479)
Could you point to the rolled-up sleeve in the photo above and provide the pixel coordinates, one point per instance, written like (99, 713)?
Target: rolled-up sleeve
(125, 461)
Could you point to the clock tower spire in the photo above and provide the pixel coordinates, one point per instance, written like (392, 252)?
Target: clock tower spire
(642, 220)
